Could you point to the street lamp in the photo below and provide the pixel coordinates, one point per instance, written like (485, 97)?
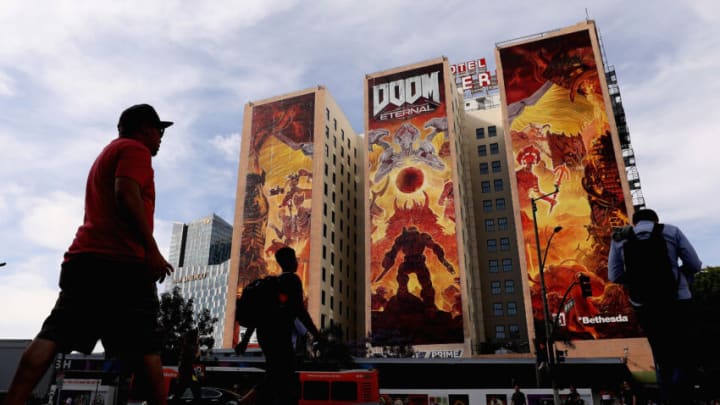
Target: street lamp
(543, 291)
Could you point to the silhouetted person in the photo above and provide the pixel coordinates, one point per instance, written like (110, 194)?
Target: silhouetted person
(668, 323)
(274, 334)
(186, 378)
(518, 397)
(107, 280)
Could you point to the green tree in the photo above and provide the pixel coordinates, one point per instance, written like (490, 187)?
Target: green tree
(706, 297)
(706, 287)
(177, 317)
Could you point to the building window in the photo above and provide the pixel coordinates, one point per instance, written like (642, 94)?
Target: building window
(504, 243)
(334, 123)
(507, 265)
(479, 133)
(485, 186)
(500, 204)
(496, 167)
(494, 148)
(327, 113)
(502, 223)
(324, 230)
(332, 280)
(495, 288)
(324, 251)
(327, 134)
(342, 135)
(491, 245)
(325, 188)
(482, 150)
(332, 302)
(323, 273)
(512, 308)
(487, 205)
(492, 131)
(489, 225)
(498, 184)
(484, 169)
(322, 298)
(493, 266)
(499, 332)
(498, 309)
(514, 330)
(509, 286)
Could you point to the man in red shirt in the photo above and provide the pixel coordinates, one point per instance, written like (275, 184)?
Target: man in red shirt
(108, 276)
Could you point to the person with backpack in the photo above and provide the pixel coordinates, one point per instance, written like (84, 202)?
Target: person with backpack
(644, 258)
(275, 330)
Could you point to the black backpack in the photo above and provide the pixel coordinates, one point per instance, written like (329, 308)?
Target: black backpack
(648, 271)
(259, 300)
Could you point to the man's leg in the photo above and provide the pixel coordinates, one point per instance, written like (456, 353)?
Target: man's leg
(154, 377)
(34, 363)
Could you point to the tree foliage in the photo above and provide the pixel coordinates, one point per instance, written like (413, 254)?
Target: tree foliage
(177, 317)
(706, 287)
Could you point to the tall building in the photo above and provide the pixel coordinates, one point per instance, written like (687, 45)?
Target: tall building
(498, 299)
(419, 252)
(200, 253)
(568, 144)
(300, 184)
(204, 241)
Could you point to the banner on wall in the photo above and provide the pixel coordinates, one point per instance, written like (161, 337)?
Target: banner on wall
(560, 135)
(414, 275)
(278, 188)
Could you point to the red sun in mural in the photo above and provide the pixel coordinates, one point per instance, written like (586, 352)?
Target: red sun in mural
(409, 179)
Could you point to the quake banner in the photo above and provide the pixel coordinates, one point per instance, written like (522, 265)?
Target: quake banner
(278, 187)
(561, 136)
(414, 275)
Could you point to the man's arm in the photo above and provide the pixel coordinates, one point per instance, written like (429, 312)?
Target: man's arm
(616, 263)
(691, 263)
(129, 199)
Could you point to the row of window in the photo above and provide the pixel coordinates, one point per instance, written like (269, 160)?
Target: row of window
(497, 185)
(482, 150)
(500, 310)
(496, 287)
(491, 132)
(513, 329)
(492, 244)
(499, 205)
(502, 224)
(494, 265)
(496, 166)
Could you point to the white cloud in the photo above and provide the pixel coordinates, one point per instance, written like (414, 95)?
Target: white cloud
(227, 145)
(51, 220)
(67, 69)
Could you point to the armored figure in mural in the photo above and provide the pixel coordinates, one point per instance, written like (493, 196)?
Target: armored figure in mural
(413, 243)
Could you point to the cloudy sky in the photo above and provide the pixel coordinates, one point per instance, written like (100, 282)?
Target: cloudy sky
(69, 67)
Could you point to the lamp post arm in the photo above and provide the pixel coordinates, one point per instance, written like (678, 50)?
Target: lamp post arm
(562, 303)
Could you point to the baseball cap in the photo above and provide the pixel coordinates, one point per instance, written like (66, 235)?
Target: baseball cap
(139, 114)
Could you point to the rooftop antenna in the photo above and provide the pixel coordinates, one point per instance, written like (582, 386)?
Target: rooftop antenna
(587, 15)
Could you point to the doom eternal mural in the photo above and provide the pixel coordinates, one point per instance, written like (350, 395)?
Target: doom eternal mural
(278, 187)
(560, 136)
(414, 277)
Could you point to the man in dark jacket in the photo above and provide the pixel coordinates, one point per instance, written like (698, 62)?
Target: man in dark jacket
(275, 331)
(666, 324)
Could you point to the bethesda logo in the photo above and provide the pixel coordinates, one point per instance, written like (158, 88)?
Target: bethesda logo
(408, 91)
(598, 319)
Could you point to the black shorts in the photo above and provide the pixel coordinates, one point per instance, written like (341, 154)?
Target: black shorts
(108, 300)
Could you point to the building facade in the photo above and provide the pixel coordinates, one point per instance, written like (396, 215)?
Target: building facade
(300, 185)
(200, 253)
(497, 297)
